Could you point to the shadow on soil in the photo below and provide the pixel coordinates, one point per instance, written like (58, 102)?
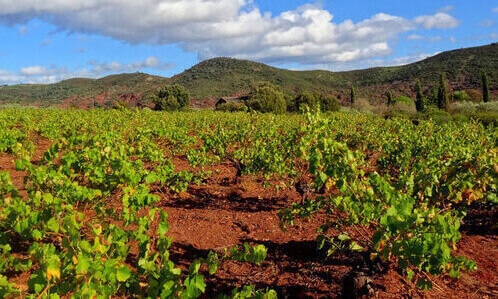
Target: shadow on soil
(307, 271)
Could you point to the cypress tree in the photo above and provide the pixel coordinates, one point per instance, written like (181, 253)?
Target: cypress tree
(442, 94)
(419, 103)
(434, 95)
(353, 95)
(390, 99)
(485, 88)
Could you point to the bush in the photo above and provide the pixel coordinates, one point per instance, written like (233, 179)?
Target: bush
(474, 95)
(314, 100)
(461, 118)
(403, 99)
(460, 96)
(486, 118)
(231, 107)
(436, 115)
(363, 105)
(328, 103)
(305, 98)
(171, 98)
(267, 97)
(471, 107)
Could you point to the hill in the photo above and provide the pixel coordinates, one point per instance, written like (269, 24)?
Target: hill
(228, 77)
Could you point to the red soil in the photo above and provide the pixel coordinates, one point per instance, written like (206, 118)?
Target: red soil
(222, 213)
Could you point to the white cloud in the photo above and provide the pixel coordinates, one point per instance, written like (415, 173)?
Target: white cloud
(7, 77)
(438, 21)
(420, 37)
(446, 9)
(236, 28)
(493, 35)
(39, 74)
(369, 63)
(33, 71)
(408, 59)
(495, 9)
(415, 37)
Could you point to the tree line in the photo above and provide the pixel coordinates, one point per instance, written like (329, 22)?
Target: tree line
(267, 97)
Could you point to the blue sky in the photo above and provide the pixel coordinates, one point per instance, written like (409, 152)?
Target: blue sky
(44, 42)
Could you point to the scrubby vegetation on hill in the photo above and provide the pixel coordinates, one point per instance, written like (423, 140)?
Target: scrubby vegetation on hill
(219, 77)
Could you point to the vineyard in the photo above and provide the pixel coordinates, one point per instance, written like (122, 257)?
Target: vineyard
(240, 205)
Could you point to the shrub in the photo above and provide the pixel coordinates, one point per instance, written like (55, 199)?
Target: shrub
(353, 95)
(486, 118)
(304, 98)
(171, 98)
(436, 115)
(403, 99)
(315, 100)
(328, 102)
(462, 118)
(474, 95)
(289, 102)
(361, 104)
(471, 107)
(408, 106)
(267, 97)
(460, 96)
(231, 107)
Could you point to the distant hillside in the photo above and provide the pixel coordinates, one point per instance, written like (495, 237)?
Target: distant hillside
(227, 77)
(79, 89)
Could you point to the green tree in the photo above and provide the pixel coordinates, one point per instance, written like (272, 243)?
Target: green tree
(171, 98)
(327, 102)
(433, 96)
(304, 98)
(390, 99)
(267, 97)
(353, 95)
(485, 88)
(419, 103)
(442, 94)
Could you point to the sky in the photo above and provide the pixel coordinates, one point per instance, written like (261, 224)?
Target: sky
(49, 41)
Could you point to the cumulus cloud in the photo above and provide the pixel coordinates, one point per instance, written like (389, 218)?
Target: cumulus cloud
(94, 69)
(7, 77)
(237, 28)
(33, 71)
(438, 21)
(370, 63)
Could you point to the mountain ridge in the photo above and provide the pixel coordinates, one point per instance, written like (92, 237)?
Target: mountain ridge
(223, 76)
